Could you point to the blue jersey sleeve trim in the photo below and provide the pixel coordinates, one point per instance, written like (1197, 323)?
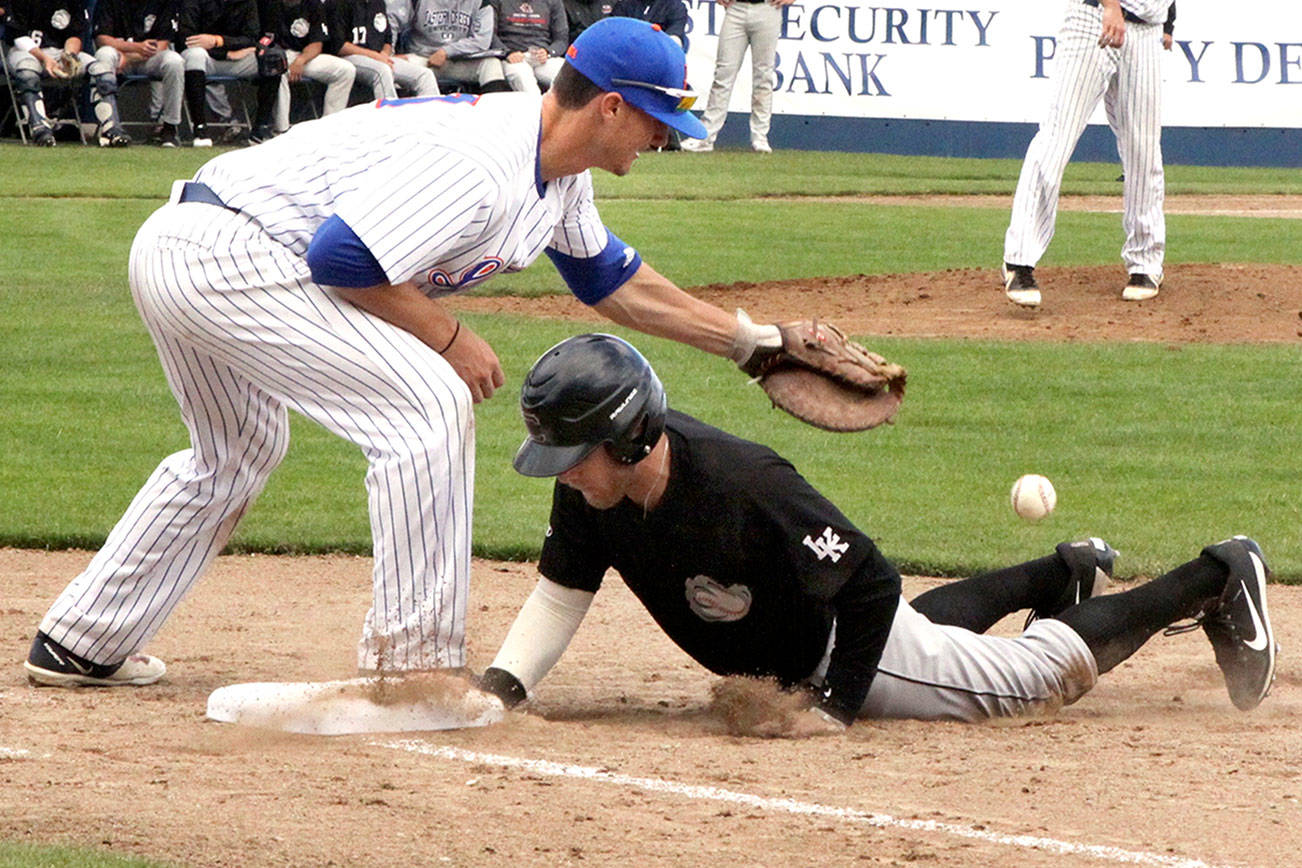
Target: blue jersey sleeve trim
(337, 257)
(596, 277)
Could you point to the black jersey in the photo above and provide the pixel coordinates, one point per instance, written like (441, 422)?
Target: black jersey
(364, 23)
(236, 21)
(137, 20)
(50, 23)
(296, 23)
(742, 564)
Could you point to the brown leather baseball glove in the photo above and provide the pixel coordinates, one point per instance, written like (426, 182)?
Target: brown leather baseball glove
(67, 66)
(825, 379)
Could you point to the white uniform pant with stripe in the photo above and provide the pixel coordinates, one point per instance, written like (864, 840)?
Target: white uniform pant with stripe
(757, 26)
(335, 73)
(243, 334)
(384, 80)
(1128, 80)
(938, 672)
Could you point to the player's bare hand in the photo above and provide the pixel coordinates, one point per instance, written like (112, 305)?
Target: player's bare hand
(1167, 41)
(438, 59)
(1114, 26)
(206, 41)
(515, 57)
(476, 363)
(51, 68)
(806, 724)
(296, 70)
(240, 52)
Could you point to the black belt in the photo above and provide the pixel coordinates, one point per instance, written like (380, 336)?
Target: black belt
(1125, 13)
(196, 191)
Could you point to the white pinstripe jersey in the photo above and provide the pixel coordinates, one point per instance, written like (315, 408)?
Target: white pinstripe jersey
(1152, 11)
(444, 191)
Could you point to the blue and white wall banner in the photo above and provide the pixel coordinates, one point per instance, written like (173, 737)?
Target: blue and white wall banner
(1235, 66)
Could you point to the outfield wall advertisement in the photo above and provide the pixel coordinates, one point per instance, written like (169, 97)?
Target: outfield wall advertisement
(1236, 65)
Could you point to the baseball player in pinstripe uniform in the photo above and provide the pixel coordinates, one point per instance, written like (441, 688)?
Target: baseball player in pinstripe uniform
(305, 274)
(1107, 50)
(778, 583)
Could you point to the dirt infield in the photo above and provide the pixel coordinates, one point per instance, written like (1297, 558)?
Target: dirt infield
(1153, 767)
(1154, 764)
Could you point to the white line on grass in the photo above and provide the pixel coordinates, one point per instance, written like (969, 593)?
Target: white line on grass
(792, 806)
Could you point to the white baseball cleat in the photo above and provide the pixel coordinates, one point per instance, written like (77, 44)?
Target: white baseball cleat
(1142, 287)
(697, 146)
(1020, 285)
(761, 146)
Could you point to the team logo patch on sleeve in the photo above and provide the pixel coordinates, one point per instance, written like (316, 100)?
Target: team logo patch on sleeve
(380, 22)
(299, 28)
(60, 19)
(711, 601)
(828, 545)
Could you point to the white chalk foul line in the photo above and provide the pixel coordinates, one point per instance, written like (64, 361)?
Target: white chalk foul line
(792, 806)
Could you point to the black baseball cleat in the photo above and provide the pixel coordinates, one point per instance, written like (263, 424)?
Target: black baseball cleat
(42, 136)
(49, 664)
(1090, 562)
(1238, 625)
(1020, 285)
(260, 134)
(1142, 287)
(113, 137)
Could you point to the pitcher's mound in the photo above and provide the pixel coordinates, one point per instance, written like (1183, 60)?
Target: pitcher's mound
(413, 703)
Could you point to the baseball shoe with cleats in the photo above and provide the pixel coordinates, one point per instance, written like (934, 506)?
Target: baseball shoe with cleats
(761, 146)
(113, 137)
(1238, 625)
(697, 146)
(202, 138)
(1090, 562)
(260, 134)
(1020, 285)
(43, 136)
(1141, 287)
(50, 664)
(164, 135)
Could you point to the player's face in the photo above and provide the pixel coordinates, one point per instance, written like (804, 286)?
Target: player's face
(634, 130)
(601, 480)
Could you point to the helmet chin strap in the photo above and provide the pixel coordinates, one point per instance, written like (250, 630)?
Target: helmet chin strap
(657, 481)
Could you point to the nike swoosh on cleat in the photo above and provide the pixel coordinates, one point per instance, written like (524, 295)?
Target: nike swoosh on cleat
(1259, 640)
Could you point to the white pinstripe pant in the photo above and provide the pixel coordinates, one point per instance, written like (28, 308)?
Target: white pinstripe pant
(1128, 80)
(243, 334)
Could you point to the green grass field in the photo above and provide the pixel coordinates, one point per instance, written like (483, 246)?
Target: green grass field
(1160, 449)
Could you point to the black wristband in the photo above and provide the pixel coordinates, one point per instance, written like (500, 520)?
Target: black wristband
(456, 331)
(504, 686)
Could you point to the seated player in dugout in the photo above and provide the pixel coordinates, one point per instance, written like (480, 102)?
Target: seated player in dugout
(777, 583)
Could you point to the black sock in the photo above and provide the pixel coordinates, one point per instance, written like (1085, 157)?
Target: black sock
(1114, 626)
(195, 82)
(980, 602)
(268, 88)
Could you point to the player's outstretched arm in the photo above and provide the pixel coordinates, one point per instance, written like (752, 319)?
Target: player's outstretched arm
(651, 303)
(542, 631)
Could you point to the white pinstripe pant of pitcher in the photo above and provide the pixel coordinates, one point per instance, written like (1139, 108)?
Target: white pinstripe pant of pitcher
(1128, 80)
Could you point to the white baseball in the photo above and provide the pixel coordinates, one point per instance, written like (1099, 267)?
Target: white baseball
(1033, 497)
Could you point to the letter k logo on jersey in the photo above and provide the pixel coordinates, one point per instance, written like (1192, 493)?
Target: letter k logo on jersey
(828, 545)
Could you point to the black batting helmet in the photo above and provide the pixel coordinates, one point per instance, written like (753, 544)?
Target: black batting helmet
(583, 392)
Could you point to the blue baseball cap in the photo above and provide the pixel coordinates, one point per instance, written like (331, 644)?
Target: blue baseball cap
(643, 64)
